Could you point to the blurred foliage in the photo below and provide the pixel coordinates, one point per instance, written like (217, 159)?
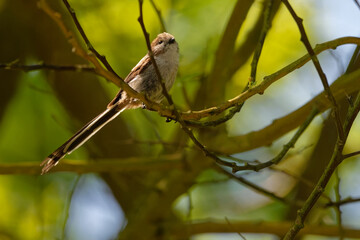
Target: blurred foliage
(40, 109)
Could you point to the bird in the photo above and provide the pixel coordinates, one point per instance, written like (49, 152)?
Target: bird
(143, 79)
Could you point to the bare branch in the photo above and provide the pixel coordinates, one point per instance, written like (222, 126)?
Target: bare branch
(158, 13)
(257, 188)
(336, 159)
(184, 230)
(317, 65)
(102, 58)
(286, 148)
(342, 202)
(233, 228)
(351, 154)
(260, 44)
(268, 80)
(45, 66)
(357, 3)
(342, 87)
(161, 163)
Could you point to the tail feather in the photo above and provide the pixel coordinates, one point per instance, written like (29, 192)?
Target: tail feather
(81, 136)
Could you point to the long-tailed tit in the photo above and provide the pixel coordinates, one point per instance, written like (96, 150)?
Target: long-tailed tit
(143, 79)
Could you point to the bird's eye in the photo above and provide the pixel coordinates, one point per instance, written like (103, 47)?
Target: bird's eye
(160, 42)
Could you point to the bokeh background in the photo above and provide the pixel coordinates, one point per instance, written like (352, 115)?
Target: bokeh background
(39, 110)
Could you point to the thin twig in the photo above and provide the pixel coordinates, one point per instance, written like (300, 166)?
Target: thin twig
(45, 66)
(221, 120)
(158, 13)
(234, 229)
(315, 60)
(286, 148)
(77, 49)
(357, 3)
(351, 154)
(306, 182)
(343, 202)
(258, 188)
(102, 58)
(260, 44)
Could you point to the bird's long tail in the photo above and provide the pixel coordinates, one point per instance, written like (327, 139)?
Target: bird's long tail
(82, 136)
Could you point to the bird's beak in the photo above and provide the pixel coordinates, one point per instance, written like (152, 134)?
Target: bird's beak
(172, 40)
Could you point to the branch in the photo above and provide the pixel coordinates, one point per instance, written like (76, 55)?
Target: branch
(342, 202)
(342, 87)
(247, 47)
(42, 4)
(257, 188)
(45, 66)
(336, 159)
(162, 163)
(357, 3)
(286, 148)
(213, 123)
(90, 47)
(185, 230)
(158, 13)
(259, 46)
(351, 154)
(316, 63)
(237, 108)
(190, 115)
(268, 80)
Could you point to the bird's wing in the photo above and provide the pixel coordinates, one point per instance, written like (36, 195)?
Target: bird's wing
(142, 65)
